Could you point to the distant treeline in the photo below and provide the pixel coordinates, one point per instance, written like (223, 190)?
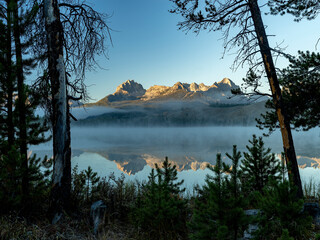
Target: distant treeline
(214, 114)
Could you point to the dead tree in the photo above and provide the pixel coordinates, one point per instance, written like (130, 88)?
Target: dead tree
(76, 33)
(251, 40)
(61, 180)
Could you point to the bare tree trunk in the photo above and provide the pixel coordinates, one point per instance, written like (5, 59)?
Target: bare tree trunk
(9, 79)
(60, 194)
(284, 122)
(21, 103)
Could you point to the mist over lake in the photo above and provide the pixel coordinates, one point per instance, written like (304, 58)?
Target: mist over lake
(133, 151)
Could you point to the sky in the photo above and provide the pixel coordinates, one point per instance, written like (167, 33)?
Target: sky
(148, 47)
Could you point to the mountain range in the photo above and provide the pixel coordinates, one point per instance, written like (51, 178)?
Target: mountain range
(219, 92)
(182, 104)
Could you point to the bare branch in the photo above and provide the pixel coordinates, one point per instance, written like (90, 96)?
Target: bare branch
(73, 117)
(74, 98)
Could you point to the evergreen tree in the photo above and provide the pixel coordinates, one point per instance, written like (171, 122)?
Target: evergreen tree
(218, 213)
(3, 89)
(84, 187)
(237, 200)
(91, 181)
(301, 93)
(208, 217)
(300, 9)
(259, 166)
(78, 186)
(10, 174)
(161, 208)
(285, 235)
(22, 181)
(280, 211)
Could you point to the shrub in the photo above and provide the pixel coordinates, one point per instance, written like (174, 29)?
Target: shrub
(120, 196)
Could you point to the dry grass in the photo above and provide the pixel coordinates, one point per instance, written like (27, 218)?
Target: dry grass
(15, 228)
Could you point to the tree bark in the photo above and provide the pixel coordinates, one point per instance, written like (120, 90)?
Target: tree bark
(21, 103)
(60, 193)
(284, 121)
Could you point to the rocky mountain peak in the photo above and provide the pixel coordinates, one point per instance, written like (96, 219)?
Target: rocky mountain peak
(180, 85)
(203, 87)
(194, 87)
(226, 81)
(130, 88)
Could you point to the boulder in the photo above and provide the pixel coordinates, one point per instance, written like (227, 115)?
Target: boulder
(252, 227)
(97, 215)
(313, 209)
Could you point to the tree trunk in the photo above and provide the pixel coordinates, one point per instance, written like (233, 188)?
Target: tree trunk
(60, 193)
(21, 103)
(9, 80)
(283, 119)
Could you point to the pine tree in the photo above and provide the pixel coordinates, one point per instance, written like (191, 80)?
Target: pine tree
(280, 211)
(91, 181)
(208, 214)
(259, 166)
(285, 235)
(300, 9)
(219, 208)
(301, 93)
(22, 181)
(3, 89)
(162, 210)
(10, 174)
(237, 218)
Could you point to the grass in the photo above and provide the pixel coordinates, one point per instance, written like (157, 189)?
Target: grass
(311, 191)
(13, 227)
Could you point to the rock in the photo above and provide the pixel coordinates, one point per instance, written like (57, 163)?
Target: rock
(252, 227)
(97, 215)
(313, 209)
(57, 217)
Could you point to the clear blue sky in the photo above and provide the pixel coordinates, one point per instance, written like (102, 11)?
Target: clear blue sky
(148, 48)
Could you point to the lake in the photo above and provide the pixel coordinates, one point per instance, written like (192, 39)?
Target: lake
(135, 151)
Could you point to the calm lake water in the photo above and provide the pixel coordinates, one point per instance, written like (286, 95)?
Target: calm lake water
(135, 151)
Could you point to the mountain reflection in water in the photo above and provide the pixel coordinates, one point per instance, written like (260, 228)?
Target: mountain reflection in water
(134, 151)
